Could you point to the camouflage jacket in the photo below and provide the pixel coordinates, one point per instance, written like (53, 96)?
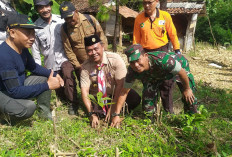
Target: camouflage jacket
(163, 66)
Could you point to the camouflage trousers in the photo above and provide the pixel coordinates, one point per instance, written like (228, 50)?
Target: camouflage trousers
(151, 95)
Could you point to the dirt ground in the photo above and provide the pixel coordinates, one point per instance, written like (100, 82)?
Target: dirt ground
(210, 66)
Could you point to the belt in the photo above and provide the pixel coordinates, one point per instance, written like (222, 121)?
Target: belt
(158, 49)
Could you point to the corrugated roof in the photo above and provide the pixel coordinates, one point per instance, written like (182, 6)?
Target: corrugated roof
(126, 12)
(184, 7)
(81, 5)
(172, 8)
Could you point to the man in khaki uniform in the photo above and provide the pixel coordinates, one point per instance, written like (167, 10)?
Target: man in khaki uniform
(78, 27)
(113, 71)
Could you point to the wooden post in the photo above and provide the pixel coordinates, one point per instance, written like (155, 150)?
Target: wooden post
(116, 27)
(120, 31)
(211, 30)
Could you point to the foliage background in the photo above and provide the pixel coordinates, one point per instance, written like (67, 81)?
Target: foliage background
(27, 7)
(219, 12)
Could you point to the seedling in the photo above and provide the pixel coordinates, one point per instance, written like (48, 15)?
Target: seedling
(100, 100)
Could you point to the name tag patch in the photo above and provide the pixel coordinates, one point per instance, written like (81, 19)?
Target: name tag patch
(161, 22)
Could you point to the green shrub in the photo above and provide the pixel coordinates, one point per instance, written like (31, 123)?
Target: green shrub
(219, 13)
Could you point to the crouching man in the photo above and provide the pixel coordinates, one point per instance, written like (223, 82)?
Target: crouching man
(152, 69)
(16, 88)
(103, 72)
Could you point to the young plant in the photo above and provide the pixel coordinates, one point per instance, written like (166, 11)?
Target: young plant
(100, 100)
(193, 122)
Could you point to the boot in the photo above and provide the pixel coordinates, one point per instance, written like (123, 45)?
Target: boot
(72, 108)
(43, 101)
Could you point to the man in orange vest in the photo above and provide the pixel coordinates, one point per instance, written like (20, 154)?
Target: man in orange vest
(152, 28)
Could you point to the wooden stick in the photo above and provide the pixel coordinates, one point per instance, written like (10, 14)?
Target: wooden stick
(116, 152)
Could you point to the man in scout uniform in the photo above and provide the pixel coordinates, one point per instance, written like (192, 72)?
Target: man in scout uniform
(16, 89)
(103, 72)
(152, 69)
(48, 42)
(152, 29)
(76, 27)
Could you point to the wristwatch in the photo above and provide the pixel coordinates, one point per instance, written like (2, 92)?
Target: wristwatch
(115, 114)
(177, 51)
(91, 113)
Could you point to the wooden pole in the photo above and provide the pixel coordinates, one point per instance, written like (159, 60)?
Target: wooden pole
(116, 27)
(211, 30)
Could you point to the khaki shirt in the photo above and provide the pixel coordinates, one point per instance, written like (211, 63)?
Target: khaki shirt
(114, 69)
(74, 41)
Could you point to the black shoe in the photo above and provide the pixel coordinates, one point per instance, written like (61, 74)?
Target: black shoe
(72, 109)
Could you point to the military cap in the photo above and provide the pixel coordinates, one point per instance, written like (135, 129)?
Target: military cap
(67, 9)
(91, 40)
(133, 52)
(22, 21)
(42, 2)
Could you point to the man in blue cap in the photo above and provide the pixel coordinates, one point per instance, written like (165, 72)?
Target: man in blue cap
(16, 88)
(48, 42)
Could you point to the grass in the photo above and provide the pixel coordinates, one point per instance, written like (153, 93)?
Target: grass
(136, 136)
(206, 134)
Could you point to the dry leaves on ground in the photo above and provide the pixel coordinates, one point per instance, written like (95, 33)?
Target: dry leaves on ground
(215, 76)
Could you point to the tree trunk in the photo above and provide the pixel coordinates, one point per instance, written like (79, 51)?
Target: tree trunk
(163, 4)
(120, 31)
(116, 27)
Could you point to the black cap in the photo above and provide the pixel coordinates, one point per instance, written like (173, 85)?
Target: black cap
(22, 21)
(67, 9)
(91, 40)
(42, 2)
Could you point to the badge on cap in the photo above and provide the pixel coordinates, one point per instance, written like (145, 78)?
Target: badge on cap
(93, 39)
(29, 21)
(65, 8)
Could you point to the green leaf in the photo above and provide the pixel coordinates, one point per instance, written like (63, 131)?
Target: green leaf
(106, 98)
(99, 96)
(100, 100)
(92, 98)
(55, 8)
(110, 103)
(29, 2)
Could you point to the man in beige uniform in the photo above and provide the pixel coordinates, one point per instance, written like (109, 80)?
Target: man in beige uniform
(114, 70)
(78, 27)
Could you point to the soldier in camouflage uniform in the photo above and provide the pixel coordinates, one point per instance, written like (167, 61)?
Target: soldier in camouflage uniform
(152, 69)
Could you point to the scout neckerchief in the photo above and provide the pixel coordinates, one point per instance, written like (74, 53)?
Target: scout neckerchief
(102, 85)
